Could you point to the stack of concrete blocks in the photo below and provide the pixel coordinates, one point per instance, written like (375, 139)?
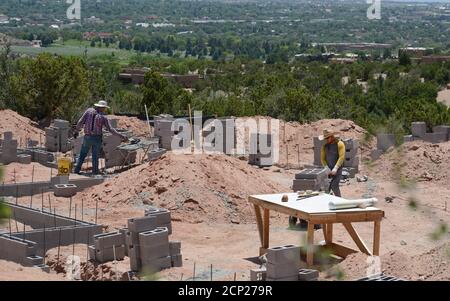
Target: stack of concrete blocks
(114, 156)
(57, 136)
(283, 263)
(107, 247)
(351, 163)
(418, 129)
(20, 251)
(440, 134)
(9, 148)
(318, 150)
(135, 227)
(163, 129)
(315, 179)
(154, 250)
(155, 154)
(224, 140)
(175, 253)
(65, 190)
(384, 142)
(260, 157)
(162, 216)
(42, 156)
(147, 242)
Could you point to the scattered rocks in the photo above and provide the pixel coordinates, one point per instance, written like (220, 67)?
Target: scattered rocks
(161, 189)
(403, 243)
(413, 147)
(362, 178)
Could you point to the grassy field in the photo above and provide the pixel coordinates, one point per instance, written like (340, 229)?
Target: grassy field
(75, 49)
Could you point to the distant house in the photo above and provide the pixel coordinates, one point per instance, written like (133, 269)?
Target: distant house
(414, 52)
(54, 26)
(136, 76)
(36, 43)
(92, 35)
(343, 60)
(435, 59)
(4, 19)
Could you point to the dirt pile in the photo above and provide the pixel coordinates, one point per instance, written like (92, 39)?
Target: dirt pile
(418, 160)
(200, 188)
(11, 271)
(22, 127)
(431, 265)
(296, 139)
(137, 126)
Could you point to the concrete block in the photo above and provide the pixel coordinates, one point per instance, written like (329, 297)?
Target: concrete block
(108, 240)
(288, 269)
(308, 275)
(435, 137)
(281, 254)
(142, 224)
(351, 162)
(308, 184)
(408, 138)
(157, 264)
(162, 215)
(156, 154)
(132, 238)
(24, 159)
(135, 258)
(108, 254)
(385, 141)
(7, 136)
(315, 173)
(418, 129)
(351, 144)
(153, 251)
(65, 190)
(159, 236)
(92, 253)
(59, 123)
(174, 247)
(176, 260)
(258, 274)
(33, 260)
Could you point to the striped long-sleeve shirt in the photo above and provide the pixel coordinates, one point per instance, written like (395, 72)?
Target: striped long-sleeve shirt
(93, 122)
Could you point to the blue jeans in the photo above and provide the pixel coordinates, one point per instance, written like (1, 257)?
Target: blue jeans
(94, 142)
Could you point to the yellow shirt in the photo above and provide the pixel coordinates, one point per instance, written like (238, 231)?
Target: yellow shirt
(341, 151)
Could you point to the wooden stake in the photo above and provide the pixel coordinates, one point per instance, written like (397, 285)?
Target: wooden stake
(82, 209)
(96, 210)
(49, 204)
(17, 194)
(70, 207)
(59, 245)
(211, 272)
(24, 232)
(9, 218)
(234, 276)
(193, 274)
(45, 245)
(32, 182)
(42, 200)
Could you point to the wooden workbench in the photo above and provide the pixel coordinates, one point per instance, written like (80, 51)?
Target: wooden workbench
(315, 211)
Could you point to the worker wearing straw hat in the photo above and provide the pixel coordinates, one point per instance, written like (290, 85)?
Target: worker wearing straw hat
(333, 157)
(93, 121)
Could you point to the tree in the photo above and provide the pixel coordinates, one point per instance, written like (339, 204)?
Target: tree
(92, 43)
(404, 59)
(47, 87)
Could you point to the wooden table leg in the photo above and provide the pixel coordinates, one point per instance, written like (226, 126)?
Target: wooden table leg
(266, 229)
(259, 222)
(310, 245)
(356, 238)
(329, 236)
(376, 238)
(324, 229)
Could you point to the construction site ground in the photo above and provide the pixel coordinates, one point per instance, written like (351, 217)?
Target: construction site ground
(207, 196)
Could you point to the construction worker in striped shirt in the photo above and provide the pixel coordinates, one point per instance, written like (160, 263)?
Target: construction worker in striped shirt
(93, 121)
(333, 156)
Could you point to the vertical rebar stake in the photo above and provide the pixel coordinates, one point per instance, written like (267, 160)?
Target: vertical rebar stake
(96, 210)
(193, 274)
(70, 207)
(32, 186)
(42, 200)
(45, 246)
(59, 245)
